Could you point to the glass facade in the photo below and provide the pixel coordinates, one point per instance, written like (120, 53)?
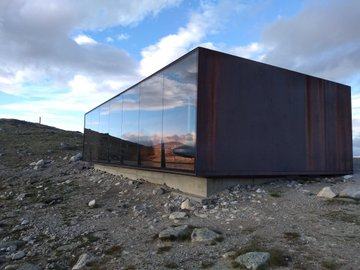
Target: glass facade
(151, 125)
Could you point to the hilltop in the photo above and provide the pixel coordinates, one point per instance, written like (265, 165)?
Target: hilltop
(57, 212)
(21, 142)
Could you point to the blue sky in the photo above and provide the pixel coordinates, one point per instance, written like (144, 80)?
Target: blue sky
(61, 58)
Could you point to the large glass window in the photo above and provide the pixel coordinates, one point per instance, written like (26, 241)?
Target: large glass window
(130, 126)
(150, 128)
(91, 140)
(115, 125)
(150, 125)
(104, 132)
(179, 128)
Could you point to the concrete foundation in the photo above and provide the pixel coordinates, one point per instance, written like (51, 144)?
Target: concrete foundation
(197, 186)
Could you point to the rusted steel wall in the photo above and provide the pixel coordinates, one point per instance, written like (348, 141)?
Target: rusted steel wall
(257, 119)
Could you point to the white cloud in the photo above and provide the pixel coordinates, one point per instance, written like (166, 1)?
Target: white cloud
(170, 47)
(323, 39)
(83, 39)
(40, 57)
(109, 39)
(122, 37)
(253, 50)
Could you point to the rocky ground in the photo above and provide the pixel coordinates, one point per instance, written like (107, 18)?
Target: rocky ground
(57, 212)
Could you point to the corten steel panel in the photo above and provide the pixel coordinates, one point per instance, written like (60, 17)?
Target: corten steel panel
(328, 126)
(257, 119)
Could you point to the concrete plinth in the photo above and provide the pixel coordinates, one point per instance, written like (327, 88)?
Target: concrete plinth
(198, 186)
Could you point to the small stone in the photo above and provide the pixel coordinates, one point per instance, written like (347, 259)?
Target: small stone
(158, 191)
(200, 215)
(32, 163)
(347, 177)
(11, 267)
(40, 163)
(204, 235)
(351, 192)
(21, 196)
(174, 233)
(27, 238)
(326, 192)
(253, 260)
(187, 205)
(75, 158)
(18, 255)
(92, 204)
(25, 222)
(178, 215)
(66, 146)
(11, 244)
(83, 260)
(229, 254)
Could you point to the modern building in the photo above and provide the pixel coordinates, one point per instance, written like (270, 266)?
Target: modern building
(209, 120)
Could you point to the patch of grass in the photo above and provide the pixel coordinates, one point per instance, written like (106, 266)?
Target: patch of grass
(129, 267)
(171, 265)
(343, 217)
(275, 194)
(341, 201)
(4, 225)
(163, 249)
(330, 265)
(291, 235)
(91, 238)
(249, 230)
(206, 264)
(278, 258)
(114, 251)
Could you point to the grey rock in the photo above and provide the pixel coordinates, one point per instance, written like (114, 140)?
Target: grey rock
(40, 163)
(66, 146)
(11, 267)
(92, 204)
(229, 254)
(29, 266)
(83, 260)
(158, 191)
(5, 245)
(21, 196)
(25, 222)
(28, 238)
(326, 192)
(351, 192)
(253, 260)
(204, 235)
(174, 233)
(187, 205)
(178, 215)
(18, 255)
(75, 158)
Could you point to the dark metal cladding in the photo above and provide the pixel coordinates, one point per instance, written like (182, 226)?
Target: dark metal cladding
(257, 119)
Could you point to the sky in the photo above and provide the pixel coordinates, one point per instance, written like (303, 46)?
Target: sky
(61, 58)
